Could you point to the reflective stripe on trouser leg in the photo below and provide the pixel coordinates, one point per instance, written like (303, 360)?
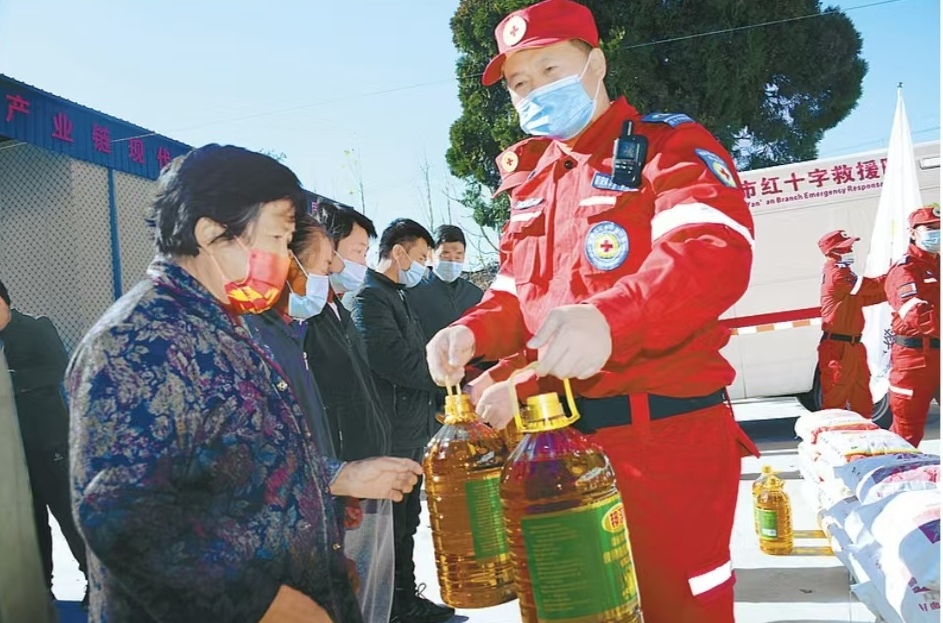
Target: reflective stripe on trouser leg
(686, 466)
(714, 578)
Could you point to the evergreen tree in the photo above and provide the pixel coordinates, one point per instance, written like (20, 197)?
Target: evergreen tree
(768, 93)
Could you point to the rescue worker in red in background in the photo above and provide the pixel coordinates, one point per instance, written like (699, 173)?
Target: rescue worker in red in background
(621, 288)
(913, 290)
(843, 359)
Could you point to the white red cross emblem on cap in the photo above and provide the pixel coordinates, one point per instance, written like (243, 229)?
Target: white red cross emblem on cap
(509, 162)
(844, 234)
(514, 30)
(936, 211)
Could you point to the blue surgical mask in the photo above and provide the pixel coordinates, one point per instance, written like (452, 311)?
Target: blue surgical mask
(412, 276)
(350, 279)
(310, 304)
(448, 271)
(559, 110)
(847, 258)
(928, 239)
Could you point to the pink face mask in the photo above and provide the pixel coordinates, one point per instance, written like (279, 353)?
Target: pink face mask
(259, 290)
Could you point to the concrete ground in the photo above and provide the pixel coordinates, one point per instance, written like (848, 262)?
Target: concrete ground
(809, 586)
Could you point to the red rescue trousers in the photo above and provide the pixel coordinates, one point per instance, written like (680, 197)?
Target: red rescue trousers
(679, 479)
(915, 381)
(845, 377)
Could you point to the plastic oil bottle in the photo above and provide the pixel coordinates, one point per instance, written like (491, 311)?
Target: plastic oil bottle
(512, 434)
(565, 521)
(774, 516)
(758, 485)
(462, 466)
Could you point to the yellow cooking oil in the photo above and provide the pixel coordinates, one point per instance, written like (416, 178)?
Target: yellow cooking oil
(566, 523)
(758, 485)
(512, 434)
(462, 466)
(774, 516)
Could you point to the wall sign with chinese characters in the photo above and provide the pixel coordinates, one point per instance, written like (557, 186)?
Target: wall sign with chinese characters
(813, 181)
(33, 116)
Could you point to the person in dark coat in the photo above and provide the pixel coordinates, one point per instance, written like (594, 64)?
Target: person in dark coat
(337, 356)
(336, 351)
(282, 329)
(37, 361)
(396, 350)
(444, 295)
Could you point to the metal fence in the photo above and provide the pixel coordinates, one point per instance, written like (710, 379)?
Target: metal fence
(72, 235)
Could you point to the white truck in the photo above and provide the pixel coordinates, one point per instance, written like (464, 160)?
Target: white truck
(776, 325)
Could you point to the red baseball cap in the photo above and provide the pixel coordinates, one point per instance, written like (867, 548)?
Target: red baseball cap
(836, 240)
(517, 161)
(925, 215)
(539, 25)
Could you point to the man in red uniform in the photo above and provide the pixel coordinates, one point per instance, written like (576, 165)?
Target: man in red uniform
(913, 290)
(621, 287)
(843, 359)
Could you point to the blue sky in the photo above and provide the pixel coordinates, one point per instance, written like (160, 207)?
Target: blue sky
(315, 78)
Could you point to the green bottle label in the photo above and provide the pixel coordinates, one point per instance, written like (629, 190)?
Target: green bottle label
(580, 561)
(769, 524)
(486, 516)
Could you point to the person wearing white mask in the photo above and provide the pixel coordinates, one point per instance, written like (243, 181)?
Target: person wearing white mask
(336, 351)
(395, 347)
(843, 359)
(444, 295)
(913, 292)
(281, 329)
(359, 426)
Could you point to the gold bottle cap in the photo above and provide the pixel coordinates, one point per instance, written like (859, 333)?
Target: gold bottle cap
(544, 412)
(458, 408)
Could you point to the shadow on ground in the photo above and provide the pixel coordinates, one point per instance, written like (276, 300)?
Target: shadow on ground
(793, 585)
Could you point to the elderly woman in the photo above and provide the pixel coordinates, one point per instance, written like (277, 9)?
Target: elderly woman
(196, 483)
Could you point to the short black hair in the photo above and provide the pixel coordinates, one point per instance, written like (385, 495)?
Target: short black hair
(224, 183)
(449, 233)
(4, 295)
(308, 231)
(339, 221)
(403, 231)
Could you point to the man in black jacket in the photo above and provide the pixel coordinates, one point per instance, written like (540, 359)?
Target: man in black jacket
(336, 351)
(37, 362)
(444, 295)
(359, 425)
(396, 349)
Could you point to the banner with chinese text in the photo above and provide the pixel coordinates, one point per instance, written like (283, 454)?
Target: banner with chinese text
(33, 116)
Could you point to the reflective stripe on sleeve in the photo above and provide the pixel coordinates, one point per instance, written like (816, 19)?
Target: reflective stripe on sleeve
(857, 287)
(908, 305)
(503, 283)
(694, 214)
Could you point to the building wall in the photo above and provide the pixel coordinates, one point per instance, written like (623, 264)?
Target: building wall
(55, 240)
(133, 196)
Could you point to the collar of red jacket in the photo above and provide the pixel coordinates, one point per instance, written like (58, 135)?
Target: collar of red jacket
(596, 140)
(922, 256)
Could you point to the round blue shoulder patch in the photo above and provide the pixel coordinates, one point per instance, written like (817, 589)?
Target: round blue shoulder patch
(606, 245)
(717, 166)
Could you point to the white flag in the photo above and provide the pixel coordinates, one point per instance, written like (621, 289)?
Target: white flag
(900, 195)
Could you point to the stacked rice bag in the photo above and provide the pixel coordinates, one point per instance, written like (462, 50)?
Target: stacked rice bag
(878, 499)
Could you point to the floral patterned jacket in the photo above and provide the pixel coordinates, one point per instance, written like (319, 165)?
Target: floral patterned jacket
(195, 482)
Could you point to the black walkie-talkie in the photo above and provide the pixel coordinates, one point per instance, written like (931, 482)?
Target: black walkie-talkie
(628, 157)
